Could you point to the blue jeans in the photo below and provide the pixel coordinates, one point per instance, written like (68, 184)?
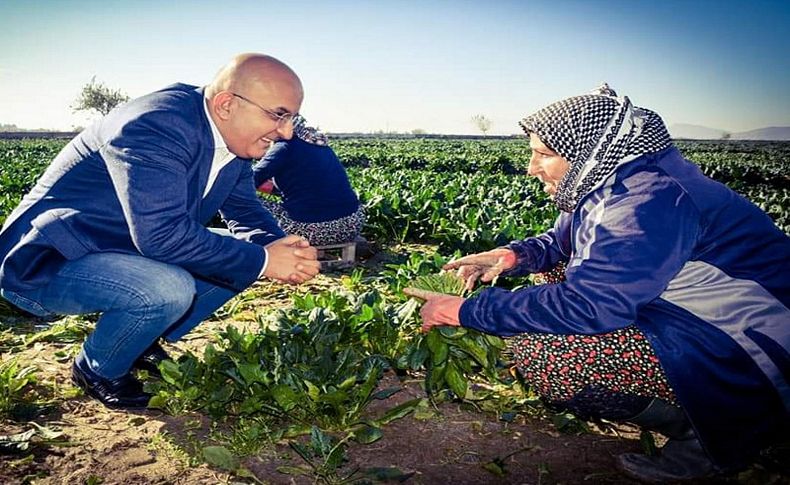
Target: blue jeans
(140, 300)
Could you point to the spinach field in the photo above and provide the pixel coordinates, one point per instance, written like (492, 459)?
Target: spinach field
(332, 381)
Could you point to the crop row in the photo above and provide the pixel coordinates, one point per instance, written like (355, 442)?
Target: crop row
(447, 190)
(472, 213)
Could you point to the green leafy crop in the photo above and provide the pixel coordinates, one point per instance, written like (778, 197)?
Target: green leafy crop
(452, 355)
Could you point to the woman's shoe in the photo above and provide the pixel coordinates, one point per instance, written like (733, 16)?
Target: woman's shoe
(681, 458)
(678, 460)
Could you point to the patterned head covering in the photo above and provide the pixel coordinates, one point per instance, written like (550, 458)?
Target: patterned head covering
(595, 133)
(308, 133)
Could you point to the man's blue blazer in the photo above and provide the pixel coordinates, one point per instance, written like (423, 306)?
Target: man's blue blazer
(133, 183)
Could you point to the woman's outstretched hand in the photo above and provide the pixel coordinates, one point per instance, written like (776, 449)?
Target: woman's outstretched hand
(439, 309)
(483, 266)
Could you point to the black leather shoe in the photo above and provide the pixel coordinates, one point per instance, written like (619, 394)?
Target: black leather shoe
(123, 392)
(150, 360)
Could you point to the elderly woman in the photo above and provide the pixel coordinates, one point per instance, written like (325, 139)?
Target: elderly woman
(318, 202)
(674, 312)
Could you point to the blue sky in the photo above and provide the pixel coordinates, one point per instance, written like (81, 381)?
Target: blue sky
(404, 65)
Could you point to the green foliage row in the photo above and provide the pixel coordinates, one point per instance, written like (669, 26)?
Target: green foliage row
(455, 156)
(471, 213)
(21, 163)
(757, 170)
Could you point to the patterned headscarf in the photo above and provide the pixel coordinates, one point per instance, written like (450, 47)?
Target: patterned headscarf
(595, 133)
(308, 133)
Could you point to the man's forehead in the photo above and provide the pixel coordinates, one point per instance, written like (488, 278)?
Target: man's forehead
(278, 94)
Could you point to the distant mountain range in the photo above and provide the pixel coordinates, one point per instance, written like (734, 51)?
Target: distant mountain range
(696, 132)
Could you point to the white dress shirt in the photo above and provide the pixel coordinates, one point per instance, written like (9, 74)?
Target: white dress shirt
(222, 157)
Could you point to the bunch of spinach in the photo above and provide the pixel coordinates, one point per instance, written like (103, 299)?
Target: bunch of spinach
(452, 355)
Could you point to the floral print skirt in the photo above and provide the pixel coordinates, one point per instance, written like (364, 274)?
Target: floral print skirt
(617, 370)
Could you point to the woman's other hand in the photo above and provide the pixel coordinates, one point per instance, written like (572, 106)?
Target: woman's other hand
(483, 266)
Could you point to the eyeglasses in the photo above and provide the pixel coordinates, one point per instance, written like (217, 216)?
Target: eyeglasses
(281, 119)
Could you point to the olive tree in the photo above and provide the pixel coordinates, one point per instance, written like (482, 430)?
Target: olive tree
(98, 97)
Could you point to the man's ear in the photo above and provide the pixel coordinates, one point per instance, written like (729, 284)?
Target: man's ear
(221, 105)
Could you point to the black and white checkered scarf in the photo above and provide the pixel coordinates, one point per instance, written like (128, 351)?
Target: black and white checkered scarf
(595, 133)
(308, 133)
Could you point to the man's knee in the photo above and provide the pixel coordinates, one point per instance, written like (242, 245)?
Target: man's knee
(172, 291)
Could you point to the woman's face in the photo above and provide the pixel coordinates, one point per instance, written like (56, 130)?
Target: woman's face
(546, 165)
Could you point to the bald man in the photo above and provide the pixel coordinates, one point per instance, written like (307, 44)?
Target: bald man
(117, 223)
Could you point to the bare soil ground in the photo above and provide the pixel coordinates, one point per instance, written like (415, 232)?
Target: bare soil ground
(450, 445)
(447, 444)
